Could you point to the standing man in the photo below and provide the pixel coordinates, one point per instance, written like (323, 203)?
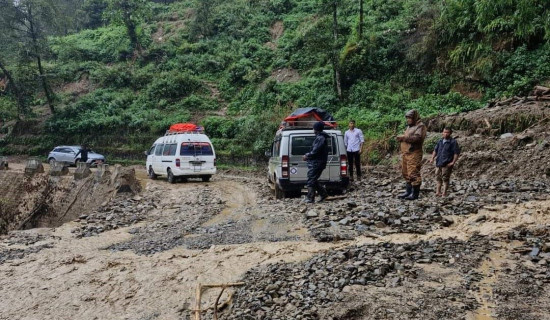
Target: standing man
(317, 162)
(353, 139)
(446, 151)
(411, 149)
(83, 152)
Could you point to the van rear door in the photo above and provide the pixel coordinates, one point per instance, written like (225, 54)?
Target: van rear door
(197, 156)
(299, 145)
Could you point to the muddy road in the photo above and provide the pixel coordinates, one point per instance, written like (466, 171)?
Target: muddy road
(367, 256)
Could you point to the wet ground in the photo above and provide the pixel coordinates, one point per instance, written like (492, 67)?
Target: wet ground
(141, 256)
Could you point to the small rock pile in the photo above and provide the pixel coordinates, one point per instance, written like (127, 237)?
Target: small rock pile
(121, 212)
(22, 239)
(173, 221)
(303, 290)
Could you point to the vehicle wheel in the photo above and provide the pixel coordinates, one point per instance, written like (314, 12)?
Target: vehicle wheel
(205, 178)
(51, 161)
(279, 193)
(171, 177)
(152, 174)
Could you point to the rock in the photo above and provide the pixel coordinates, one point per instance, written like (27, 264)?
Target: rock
(312, 214)
(535, 252)
(507, 135)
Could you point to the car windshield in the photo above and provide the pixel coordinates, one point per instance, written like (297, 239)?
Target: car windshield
(196, 149)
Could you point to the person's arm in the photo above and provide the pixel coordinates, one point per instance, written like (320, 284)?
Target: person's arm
(434, 153)
(362, 137)
(416, 136)
(346, 139)
(456, 154)
(79, 151)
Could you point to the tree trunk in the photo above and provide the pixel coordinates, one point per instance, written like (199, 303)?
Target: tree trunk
(43, 80)
(335, 64)
(21, 107)
(361, 19)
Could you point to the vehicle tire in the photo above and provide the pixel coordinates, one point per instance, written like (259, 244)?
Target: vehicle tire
(205, 178)
(171, 177)
(51, 161)
(76, 161)
(279, 193)
(152, 174)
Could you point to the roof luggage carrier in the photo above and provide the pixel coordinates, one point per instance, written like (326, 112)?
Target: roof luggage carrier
(199, 130)
(305, 124)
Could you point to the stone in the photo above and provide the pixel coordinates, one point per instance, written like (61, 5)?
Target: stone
(82, 171)
(58, 169)
(507, 135)
(312, 214)
(3, 163)
(34, 166)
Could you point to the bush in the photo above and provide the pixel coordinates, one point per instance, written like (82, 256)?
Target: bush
(108, 44)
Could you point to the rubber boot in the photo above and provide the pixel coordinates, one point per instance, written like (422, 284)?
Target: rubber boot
(414, 194)
(407, 192)
(323, 193)
(310, 198)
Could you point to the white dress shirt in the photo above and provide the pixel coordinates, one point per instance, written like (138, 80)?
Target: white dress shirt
(353, 140)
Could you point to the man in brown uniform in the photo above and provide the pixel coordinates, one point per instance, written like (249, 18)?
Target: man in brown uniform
(411, 149)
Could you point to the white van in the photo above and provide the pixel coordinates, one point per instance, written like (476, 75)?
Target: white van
(182, 155)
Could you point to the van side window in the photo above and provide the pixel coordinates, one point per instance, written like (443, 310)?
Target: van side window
(302, 145)
(152, 150)
(158, 149)
(196, 149)
(169, 149)
(276, 147)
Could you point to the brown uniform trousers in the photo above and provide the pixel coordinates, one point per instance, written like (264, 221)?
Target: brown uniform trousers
(411, 149)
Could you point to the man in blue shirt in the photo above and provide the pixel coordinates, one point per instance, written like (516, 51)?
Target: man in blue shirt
(446, 152)
(353, 140)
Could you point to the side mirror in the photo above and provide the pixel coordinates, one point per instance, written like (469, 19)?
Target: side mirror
(268, 153)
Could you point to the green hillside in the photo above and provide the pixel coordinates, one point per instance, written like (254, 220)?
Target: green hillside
(116, 80)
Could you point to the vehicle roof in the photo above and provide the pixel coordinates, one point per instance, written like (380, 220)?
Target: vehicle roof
(183, 137)
(306, 131)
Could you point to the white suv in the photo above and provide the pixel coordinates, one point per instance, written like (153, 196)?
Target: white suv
(67, 154)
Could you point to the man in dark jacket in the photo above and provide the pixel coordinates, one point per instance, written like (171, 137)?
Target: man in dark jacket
(446, 152)
(317, 162)
(83, 152)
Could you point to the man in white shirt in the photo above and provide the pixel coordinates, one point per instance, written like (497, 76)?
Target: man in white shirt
(353, 139)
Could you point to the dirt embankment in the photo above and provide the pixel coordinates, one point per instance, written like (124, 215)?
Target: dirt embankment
(41, 200)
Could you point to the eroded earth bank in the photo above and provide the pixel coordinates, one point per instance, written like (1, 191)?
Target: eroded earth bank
(482, 253)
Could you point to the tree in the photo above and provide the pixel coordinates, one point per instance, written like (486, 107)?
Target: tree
(130, 13)
(332, 5)
(29, 22)
(361, 21)
(7, 55)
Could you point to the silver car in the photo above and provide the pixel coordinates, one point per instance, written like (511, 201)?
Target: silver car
(67, 154)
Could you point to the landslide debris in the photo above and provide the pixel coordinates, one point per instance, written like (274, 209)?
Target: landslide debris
(316, 288)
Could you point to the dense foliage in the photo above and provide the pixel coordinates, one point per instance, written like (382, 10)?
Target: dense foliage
(238, 67)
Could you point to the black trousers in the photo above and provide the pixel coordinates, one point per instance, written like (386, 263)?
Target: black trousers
(314, 171)
(354, 159)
